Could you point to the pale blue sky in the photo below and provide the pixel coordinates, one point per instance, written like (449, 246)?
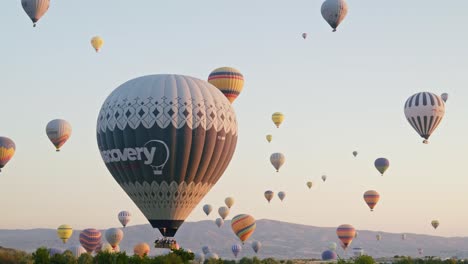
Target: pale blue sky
(339, 91)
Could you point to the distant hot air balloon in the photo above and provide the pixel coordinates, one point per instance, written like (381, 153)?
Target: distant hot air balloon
(324, 178)
(141, 249)
(256, 246)
(211, 255)
(269, 195)
(124, 217)
(332, 246)
(277, 118)
(328, 255)
(277, 160)
(346, 234)
(281, 195)
(229, 201)
(58, 131)
(64, 232)
(223, 211)
(206, 249)
(236, 249)
(403, 236)
(304, 35)
(420, 251)
(207, 208)
(381, 164)
(269, 138)
(243, 226)
(334, 12)
(378, 237)
(114, 236)
(90, 239)
(199, 258)
(435, 224)
(97, 43)
(424, 111)
(166, 139)
(7, 150)
(219, 222)
(356, 235)
(355, 153)
(228, 80)
(309, 184)
(444, 97)
(35, 9)
(371, 198)
(77, 251)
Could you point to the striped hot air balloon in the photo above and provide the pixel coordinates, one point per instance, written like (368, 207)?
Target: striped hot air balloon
(35, 9)
(58, 131)
(228, 80)
(277, 118)
(381, 164)
(90, 239)
(124, 218)
(371, 198)
(243, 226)
(236, 249)
(7, 150)
(346, 234)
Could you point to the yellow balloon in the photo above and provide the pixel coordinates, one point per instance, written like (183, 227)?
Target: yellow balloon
(228, 80)
(64, 232)
(229, 201)
(97, 43)
(309, 184)
(277, 118)
(269, 138)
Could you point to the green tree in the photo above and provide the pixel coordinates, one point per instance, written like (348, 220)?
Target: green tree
(85, 259)
(41, 256)
(364, 259)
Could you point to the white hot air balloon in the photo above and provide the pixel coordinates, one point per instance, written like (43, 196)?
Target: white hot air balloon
(334, 11)
(114, 236)
(223, 212)
(211, 255)
(207, 208)
(256, 246)
(277, 160)
(77, 251)
(124, 217)
(219, 222)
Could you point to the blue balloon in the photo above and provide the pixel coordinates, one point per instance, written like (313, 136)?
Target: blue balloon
(329, 255)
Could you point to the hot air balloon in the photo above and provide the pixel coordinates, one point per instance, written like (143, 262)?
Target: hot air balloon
(141, 249)
(35, 9)
(211, 255)
(356, 235)
(114, 236)
(124, 217)
(90, 239)
(106, 247)
(243, 226)
(304, 35)
(334, 12)
(281, 195)
(435, 224)
(223, 211)
(309, 184)
(382, 164)
(269, 138)
(7, 150)
(332, 246)
(77, 251)
(424, 111)
(371, 198)
(207, 208)
(277, 160)
(256, 246)
(346, 234)
(329, 255)
(444, 97)
(355, 153)
(403, 236)
(64, 232)
(55, 251)
(228, 80)
(277, 118)
(420, 251)
(378, 236)
(166, 139)
(269, 195)
(324, 178)
(58, 131)
(206, 249)
(199, 258)
(236, 249)
(219, 222)
(97, 43)
(229, 201)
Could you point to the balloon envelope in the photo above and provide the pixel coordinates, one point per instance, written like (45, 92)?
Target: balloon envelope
(223, 211)
(236, 249)
(228, 80)
(355, 153)
(207, 208)
(229, 201)
(97, 43)
(309, 184)
(332, 246)
(124, 217)
(277, 160)
(346, 234)
(269, 138)
(114, 236)
(141, 249)
(334, 12)
(435, 224)
(304, 35)
(281, 195)
(381, 164)
(64, 232)
(324, 178)
(58, 131)
(219, 222)
(277, 118)
(269, 195)
(77, 251)
(90, 239)
(7, 150)
(329, 255)
(444, 97)
(371, 198)
(206, 249)
(243, 226)
(35, 9)
(256, 246)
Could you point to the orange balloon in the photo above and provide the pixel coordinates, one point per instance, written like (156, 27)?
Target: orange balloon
(346, 234)
(372, 198)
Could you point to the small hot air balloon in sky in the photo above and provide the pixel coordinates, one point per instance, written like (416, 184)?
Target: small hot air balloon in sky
(420, 251)
(7, 150)
(64, 232)
(281, 195)
(309, 184)
(256, 246)
(371, 198)
(435, 223)
(269, 138)
(90, 239)
(141, 249)
(324, 178)
(355, 153)
(58, 131)
(304, 35)
(403, 236)
(97, 43)
(424, 111)
(77, 251)
(328, 255)
(228, 80)
(277, 160)
(356, 234)
(346, 234)
(243, 226)
(379, 237)
(114, 236)
(277, 118)
(223, 211)
(35, 9)
(207, 208)
(334, 12)
(444, 97)
(269, 195)
(236, 249)
(124, 217)
(206, 249)
(219, 222)
(332, 246)
(229, 201)
(381, 164)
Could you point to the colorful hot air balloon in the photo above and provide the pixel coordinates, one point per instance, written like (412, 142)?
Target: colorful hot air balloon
(243, 226)
(236, 249)
(77, 251)
(435, 224)
(281, 195)
(97, 43)
(166, 139)
(304, 35)
(114, 236)
(378, 237)
(269, 138)
(328, 255)
(141, 249)
(277, 118)
(256, 246)
(207, 208)
(381, 164)
(346, 234)
(332, 246)
(58, 131)
(403, 236)
(7, 150)
(229, 201)
(228, 80)
(324, 178)
(424, 111)
(90, 239)
(206, 249)
(269, 195)
(223, 211)
(35, 9)
(277, 160)
(334, 12)
(355, 153)
(124, 217)
(444, 97)
(219, 222)
(309, 184)
(64, 232)
(371, 198)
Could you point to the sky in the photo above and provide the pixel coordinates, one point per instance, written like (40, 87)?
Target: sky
(340, 92)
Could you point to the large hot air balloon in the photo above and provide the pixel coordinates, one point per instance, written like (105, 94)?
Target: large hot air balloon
(35, 9)
(328, 255)
(243, 226)
(281, 195)
(355, 153)
(90, 239)
(236, 249)
(7, 150)
(309, 184)
(324, 178)
(206, 249)
(277, 118)
(378, 237)
(97, 43)
(381, 164)
(64, 232)
(228, 80)
(435, 224)
(58, 131)
(444, 97)
(141, 249)
(304, 35)
(223, 211)
(207, 208)
(269, 138)
(77, 251)
(219, 222)
(269, 195)
(346, 234)
(424, 111)
(114, 236)
(334, 11)
(371, 198)
(256, 246)
(277, 160)
(229, 201)
(332, 246)
(166, 139)
(124, 217)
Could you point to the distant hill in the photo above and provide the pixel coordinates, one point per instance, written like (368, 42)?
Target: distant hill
(280, 240)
